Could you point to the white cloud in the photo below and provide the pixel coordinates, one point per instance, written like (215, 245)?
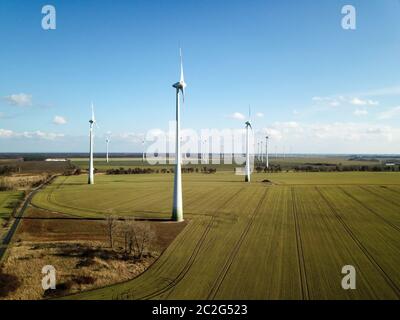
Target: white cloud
(359, 102)
(337, 137)
(336, 101)
(388, 91)
(4, 133)
(237, 116)
(259, 115)
(132, 137)
(20, 100)
(360, 112)
(330, 101)
(59, 120)
(389, 114)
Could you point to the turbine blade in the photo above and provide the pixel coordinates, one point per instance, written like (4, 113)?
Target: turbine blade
(93, 119)
(183, 94)
(182, 75)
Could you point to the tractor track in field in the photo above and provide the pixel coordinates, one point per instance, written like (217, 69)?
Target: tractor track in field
(375, 263)
(393, 190)
(380, 196)
(226, 267)
(369, 209)
(181, 275)
(305, 292)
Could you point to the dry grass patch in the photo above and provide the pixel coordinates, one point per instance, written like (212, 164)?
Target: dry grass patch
(80, 266)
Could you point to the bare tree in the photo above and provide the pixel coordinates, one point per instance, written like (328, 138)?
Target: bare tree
(138, 237)
(111, 225)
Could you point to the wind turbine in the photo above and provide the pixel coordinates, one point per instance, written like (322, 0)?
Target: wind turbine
(107, 143)
(92, 122)
(143, 150)
(266, 150)
(177, 209)
(248, 125)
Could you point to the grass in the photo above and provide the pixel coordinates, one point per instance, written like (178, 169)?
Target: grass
(7, 200)
(285, 240)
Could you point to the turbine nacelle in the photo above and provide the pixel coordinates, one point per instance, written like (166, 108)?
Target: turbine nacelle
(181, 85)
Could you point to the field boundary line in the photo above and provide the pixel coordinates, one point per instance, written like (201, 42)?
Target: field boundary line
(387, 278)
(228, 263)
(300, 251)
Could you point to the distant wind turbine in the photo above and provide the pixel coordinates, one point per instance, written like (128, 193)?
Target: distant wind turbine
(248, 126)
(92, 122)
(107, 143)
(266, 150)
(177, 210)
(143, 150)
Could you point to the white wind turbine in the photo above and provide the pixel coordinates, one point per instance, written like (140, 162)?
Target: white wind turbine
(248, 126)
(266, 150)
(107, 143)
(92, 122)
(177, 209)
(143, 141)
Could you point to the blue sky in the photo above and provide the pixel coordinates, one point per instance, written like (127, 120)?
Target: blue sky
(319, 88)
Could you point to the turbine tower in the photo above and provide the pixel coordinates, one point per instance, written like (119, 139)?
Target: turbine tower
(92, 121)
(177, 210)
(266, 150)
(143, 150)
(107, 143)
(248, 126)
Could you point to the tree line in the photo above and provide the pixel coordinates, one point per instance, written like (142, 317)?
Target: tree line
(162, 170)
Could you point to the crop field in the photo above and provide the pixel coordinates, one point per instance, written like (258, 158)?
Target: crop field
(287, 239)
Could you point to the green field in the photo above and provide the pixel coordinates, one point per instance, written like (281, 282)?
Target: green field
(285, 240)
(7, 200)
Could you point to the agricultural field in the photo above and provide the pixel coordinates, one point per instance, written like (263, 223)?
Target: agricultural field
(284, 236)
